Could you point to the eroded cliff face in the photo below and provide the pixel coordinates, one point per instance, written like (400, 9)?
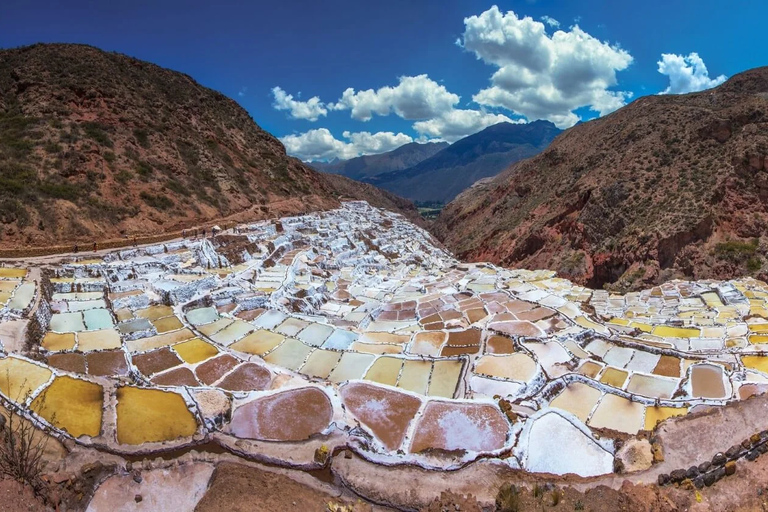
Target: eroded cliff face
(666, 186)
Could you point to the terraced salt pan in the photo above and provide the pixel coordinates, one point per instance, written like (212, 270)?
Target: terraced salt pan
(259, 342)
(291, 354)
(151, 416)
(292, 415)
(22, 297)
(73, 405)
(202, 316)
(618, 413)
(460, 426)
(578, 399)
(577, 452)
(386, 413)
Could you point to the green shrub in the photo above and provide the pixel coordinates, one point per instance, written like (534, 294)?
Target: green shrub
(109, 156)
(508, 499)
(97, 132)
(143, 169)
(142, 137)
(177, 186)
(60, 190)
(158, 202)
(52, 147)
(737, 251)
(124, 176)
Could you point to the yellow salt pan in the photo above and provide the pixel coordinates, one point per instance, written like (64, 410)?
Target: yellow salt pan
(152, 416)
(666, 331)
(385, 370)
(54, 341)
(195, 350)
(167, 324)
(653, 415)
(578, 399)
(258, 342)
(11, 273)
(73, 405)
(19, 378)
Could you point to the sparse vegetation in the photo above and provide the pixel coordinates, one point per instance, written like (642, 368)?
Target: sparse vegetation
(21, 447)
(158, 202)
(508, 499)
(97, 132)
(142, 137)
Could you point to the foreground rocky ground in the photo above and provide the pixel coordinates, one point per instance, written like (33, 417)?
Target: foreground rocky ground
(344, 355)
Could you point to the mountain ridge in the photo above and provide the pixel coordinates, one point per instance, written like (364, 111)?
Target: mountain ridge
(97, 144)
(667, 186)
(477, 156)
(362, 167)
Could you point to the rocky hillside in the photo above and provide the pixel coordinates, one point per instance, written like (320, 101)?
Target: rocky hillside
(443, 176)
(97, 145)
(365, 167)
(666, 186)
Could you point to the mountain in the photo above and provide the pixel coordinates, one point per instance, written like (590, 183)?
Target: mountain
(365, 167)
(671, 185)
(443, 176)
(97, 145)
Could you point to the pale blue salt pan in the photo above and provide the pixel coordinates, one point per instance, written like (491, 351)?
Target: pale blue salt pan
(96, 319)
(201, 316)
(315, 334)
(270, 319)
(84, 305)
(22, 297)
(340, 340)
(67, 322)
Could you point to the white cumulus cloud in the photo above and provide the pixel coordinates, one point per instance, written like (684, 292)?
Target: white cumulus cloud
(686, 73)
(549, 20)
(415, 97)
(310, 110)
(320, 144)
(541, 76)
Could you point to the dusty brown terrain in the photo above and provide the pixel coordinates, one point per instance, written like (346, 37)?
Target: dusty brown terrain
(666, 186)
(97, 145)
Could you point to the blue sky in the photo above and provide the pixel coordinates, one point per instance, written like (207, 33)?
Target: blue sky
(413, 70)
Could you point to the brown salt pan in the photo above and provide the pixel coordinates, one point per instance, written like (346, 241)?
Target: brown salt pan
(707, 381)
(499, 345)
(107, 363)
(668, 366)
(460, 426)
(385, 412)
(448, 351)
(292, 415)
(156, 361)
(464, 338)
(247, 377)
(212, 370)
(176, 377)
(68, 362)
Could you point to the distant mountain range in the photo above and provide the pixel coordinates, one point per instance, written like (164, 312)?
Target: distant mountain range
(439, 172)
(667, 186)
(366, 167)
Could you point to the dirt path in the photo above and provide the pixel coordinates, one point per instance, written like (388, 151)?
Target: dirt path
(51, 254)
